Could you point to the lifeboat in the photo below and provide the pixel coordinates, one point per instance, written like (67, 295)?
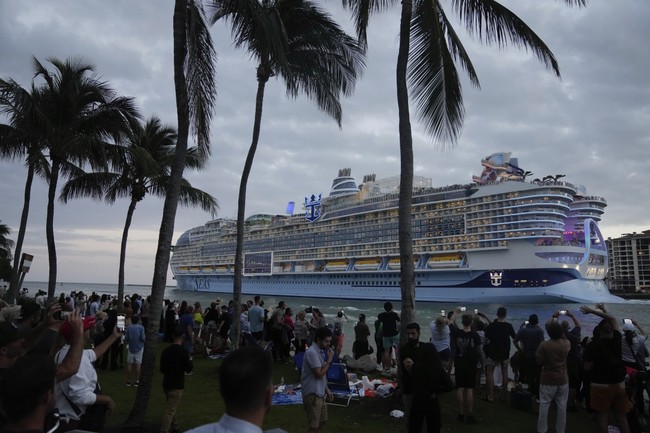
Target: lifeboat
(444, 261)
(336, 265)
(367, 264)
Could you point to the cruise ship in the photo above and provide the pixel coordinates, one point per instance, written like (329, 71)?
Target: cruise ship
(499, 239)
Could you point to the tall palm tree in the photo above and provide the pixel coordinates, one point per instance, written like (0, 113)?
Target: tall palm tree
(143, 169)
(17, 140)
(429, 49)
(194, 82)
(77, 117)
(6, 245)
(300, 43)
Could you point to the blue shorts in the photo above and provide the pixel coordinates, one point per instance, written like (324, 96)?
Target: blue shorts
(389, 342)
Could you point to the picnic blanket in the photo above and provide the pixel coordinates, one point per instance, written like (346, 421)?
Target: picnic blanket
(287, 394)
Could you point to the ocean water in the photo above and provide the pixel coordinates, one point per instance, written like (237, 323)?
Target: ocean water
(425, 311)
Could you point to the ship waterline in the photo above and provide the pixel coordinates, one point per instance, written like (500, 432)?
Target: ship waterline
(499, 239)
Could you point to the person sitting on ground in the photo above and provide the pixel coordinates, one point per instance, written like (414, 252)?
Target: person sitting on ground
(246, 386)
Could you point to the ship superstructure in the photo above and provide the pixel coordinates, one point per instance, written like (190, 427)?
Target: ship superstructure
(498, 239)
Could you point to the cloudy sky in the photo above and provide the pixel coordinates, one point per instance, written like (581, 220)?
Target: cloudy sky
(592, 125)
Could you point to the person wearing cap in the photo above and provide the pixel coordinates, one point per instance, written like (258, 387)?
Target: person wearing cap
(530, 336)
(603, 360)
(76, 394)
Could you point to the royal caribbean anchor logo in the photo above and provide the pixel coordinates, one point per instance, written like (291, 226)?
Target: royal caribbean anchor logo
(496, 277)
(312, 208)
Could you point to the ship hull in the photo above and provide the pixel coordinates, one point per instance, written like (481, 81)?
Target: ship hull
(456, 286)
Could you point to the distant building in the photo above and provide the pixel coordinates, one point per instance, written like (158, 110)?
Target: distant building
(629, 262)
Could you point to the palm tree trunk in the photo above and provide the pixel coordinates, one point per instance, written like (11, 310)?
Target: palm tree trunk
(15, 273)
(49, 230)
(141, 402)
(241, 208)
(120, 274)
(407, 274)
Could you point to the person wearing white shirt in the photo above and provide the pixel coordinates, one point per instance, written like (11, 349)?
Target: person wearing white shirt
(246, 386)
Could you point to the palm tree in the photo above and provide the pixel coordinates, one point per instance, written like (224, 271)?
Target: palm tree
(6, 245)
(195, 96)
(77, 116)
(300, 43)
(18, 141)
(428, 50)
(144, 169)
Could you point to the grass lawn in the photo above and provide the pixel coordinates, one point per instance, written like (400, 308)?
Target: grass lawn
(201, 404)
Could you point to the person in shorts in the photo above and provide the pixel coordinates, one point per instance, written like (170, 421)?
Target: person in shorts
(313, 379)
(603, 360)
(499, 333)
(134, 338)
(389, 320)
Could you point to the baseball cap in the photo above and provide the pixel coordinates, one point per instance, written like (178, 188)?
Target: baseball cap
(28, 309)
(628, 327)
(8, 333)
(66, 329)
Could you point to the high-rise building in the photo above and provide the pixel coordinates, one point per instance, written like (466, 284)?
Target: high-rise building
(629, 262)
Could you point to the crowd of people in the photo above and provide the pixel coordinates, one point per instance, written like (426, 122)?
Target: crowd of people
(553, 362)
(604, 372)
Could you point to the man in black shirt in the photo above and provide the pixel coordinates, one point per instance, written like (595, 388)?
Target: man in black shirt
(603, 360)
(389, 320)
(498, 334)
(420, 363)
(174, 363)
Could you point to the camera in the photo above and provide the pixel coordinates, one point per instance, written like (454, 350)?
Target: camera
(562, 312)
(61, 315)
(120, 322)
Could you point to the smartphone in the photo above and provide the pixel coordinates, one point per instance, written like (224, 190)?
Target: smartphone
(120, 322)
(61, 315)
(475, 310)
(562, 312)
(463, 308)
(442, 313)
(526, 322)
(627, 321)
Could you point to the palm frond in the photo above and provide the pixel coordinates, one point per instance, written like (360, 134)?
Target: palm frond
(200, 74)
(432, 75)
(361, 11)
(493, 23)
(92, 185)
(324, 62)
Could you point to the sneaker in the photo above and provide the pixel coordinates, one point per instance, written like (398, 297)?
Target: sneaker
(128, 383)
(136, 383)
